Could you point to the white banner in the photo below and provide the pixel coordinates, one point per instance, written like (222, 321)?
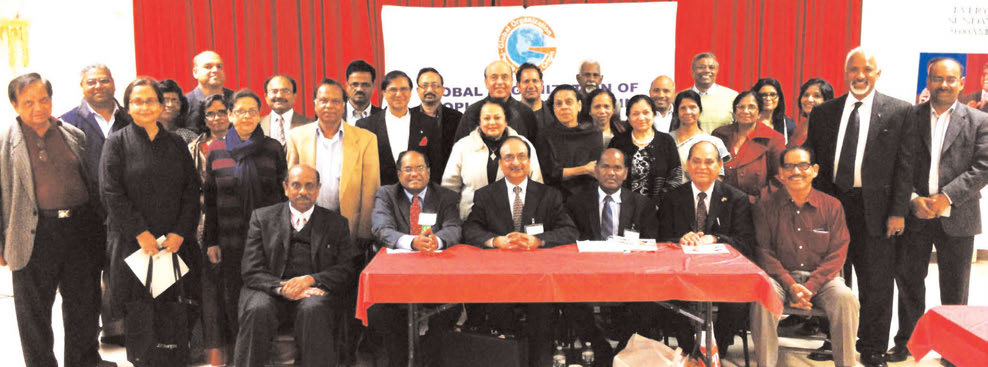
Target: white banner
(634, 43)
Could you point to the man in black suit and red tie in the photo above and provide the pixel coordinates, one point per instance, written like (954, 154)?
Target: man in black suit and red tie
(951, 169)
(399, 129)
(864, 147)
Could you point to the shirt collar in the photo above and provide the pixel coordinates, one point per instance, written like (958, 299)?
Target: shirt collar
(616, 196)
(511, 187)
(295, 213)
(948, 112)
(337, 137)
(696, 190)
(814, 199)
(713, 88)
(287, 116)
(391, 117)
(421, 194)
(866, 102)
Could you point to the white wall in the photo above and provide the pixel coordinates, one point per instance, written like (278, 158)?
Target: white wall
(67, 35)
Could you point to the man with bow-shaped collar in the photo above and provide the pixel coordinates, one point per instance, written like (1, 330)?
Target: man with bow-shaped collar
(399, 129)
(298, 265)
(706, 211)
(864, 148)
(416, 215)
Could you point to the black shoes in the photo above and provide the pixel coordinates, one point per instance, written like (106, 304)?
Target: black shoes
(898, 353)
(873, 360)
(820, 356)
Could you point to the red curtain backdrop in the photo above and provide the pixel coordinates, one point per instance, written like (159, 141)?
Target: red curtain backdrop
(790, 40)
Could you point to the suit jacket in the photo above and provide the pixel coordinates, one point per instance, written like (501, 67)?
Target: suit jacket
(359, 178)
(20, 207)
(636, 210)
(491, 215)
(449, 119)
(728, 217)
(268, 247)
(887, 165)
(347, 109)
(391, 214)
(423, 136)
(976, 98)
(85, 119)
(298, 119)
(963, 166)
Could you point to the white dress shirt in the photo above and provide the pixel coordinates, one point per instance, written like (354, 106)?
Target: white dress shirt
(662, 123)
(276, 131)
(706, 200)
(397, 129)
(299, 219)
(329, 163)
(615, 208)
(405, 241)
(864, 120)
(938, 130)
(104, 125)
(352, 116)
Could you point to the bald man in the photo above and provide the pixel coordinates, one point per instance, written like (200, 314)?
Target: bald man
(207, 68)
(498, 80)
(662, 91)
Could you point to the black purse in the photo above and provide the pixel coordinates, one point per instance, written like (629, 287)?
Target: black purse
(158, 331)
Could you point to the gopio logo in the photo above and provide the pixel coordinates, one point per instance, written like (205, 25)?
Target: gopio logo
(527, 39)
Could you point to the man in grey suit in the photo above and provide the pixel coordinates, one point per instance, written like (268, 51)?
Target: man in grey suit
(298, 266)
(951, 169)
(49, 227)
(419, 215)
(279, 92)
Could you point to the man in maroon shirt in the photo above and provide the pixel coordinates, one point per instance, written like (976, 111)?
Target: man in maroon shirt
(802, 244)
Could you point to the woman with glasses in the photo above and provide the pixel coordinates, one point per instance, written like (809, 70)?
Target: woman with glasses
(150, 187)
(651, 157)
(774, 106)
(175, 110)
(687, 108)
(569, 146)
(811, 94)
(244, 172)
(754, 147)
(474, 161)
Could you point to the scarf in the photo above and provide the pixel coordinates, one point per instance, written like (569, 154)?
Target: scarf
(246, 169)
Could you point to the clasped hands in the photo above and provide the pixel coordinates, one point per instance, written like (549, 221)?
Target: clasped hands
(149, 244)
(426, 241)
(300, 287)
(696, 239)
(929, 207)
(516, 241)
(799, 297)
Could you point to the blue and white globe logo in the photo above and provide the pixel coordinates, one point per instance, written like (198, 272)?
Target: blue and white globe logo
(527, 39)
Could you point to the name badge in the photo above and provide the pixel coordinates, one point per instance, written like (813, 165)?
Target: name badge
(427, 219)
(631, 234)
(534, 229)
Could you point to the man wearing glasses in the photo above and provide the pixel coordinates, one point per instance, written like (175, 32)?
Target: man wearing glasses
(50, 229)
(399, 129)
(431, 90)
(802, 242)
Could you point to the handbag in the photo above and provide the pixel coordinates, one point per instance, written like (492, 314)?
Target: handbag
(158, 331)
(476, 349)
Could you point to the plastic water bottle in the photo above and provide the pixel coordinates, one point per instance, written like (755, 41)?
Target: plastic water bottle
(587, 355)
(559, 357)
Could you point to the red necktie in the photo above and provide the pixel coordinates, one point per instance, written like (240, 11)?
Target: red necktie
(414, 216)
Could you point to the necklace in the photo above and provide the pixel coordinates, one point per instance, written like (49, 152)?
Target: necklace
(643, 142)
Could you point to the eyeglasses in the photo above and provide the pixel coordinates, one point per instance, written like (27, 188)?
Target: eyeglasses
(246, 113)
(519, 157)
(801, 165)
(416, 169)
(93, 82)
(215, 114)
(144, 102)
(428, 86)
(771, 95)
(393, 91)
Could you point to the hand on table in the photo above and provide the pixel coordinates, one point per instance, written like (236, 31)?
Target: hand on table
(696, 238)
(524, 241)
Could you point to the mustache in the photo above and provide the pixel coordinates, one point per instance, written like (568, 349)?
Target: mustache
(430, 94)
(282, 100)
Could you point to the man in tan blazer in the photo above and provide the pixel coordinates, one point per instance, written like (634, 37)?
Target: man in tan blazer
(49, 226)
(345, 157)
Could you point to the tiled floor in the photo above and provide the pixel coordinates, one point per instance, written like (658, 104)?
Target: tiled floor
(11, 353)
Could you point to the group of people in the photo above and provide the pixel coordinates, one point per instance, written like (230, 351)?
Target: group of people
(275, 215)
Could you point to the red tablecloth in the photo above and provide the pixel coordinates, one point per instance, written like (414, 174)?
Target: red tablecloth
(958, 333)
(465, 274)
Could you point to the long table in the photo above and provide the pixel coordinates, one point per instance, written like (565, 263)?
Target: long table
(465, 274)
(958, 333)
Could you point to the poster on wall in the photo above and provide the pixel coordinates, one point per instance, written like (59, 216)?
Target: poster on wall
(634, 43)
(975, 92)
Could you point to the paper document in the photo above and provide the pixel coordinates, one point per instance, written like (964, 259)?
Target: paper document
(616, 244)
(162, 274)
(714, 248)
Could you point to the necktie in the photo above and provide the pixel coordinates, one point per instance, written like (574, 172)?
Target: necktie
(701, 211)
(281, 129)
(845, 166)
(516, 209)
(413, 216)
(299, 223)
(606, 219)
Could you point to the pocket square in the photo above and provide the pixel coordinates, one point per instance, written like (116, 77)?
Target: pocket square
(424, 141)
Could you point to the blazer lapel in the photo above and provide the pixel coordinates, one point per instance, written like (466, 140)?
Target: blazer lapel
(415, 132)
(383, 141)
(316, 234)
(958, 120)
(283, 236)
(532, 195)
(627, 211)
(877, 123)
(923, 122)
(502, 207)
(76, 146)
(404, 208)
(349, 158)
(592, 201)
(716, 202)
(22, 162)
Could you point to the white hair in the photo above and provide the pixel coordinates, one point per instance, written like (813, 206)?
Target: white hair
(868, 55)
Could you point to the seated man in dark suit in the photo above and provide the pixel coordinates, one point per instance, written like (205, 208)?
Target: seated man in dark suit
(516, 213)
(707, 211)
(298, 264)
(600, 211)
(413, 214)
